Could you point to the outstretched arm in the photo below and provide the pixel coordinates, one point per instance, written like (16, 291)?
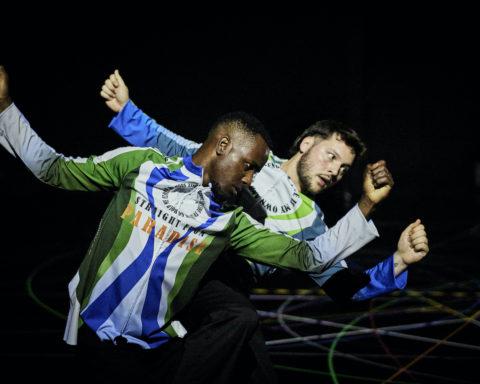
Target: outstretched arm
(138, 128)
(412, 247)
(391, 274)
(342, 283)
(252, 240)
(95, 173)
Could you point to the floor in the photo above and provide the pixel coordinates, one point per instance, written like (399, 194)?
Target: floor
(428, 333)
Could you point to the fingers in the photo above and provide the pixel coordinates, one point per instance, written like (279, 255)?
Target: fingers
(113, 80)
(407, 231)
(415, 228)
(118, 77)
(379, 163)
(418, 232)
(380, 174)
(418, 237)
(3, 73)
(114, 91)
(106, 90)
(422, 248)
(374, 166)
(111, 83)
(380, 181)
(419, 240)
(106, 96)
(4, 91)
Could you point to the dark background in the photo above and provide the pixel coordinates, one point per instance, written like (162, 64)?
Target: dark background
(405, 78)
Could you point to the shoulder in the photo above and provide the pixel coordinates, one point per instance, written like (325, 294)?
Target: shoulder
(274, 161)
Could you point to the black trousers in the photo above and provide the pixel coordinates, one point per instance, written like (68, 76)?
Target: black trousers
(224, 343)
(104, 362)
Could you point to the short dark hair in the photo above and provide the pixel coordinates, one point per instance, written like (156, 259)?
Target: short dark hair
(325, 129)
(249, 123)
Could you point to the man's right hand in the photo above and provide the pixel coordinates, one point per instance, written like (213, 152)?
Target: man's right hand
(115, 92)
(5, 99)
(412, 247)
(377, 184)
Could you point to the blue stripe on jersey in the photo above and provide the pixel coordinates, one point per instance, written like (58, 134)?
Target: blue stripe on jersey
(158, 338)
(317, 228)
(195, 169)
(104, 305)
(154, 292)
(214, 209)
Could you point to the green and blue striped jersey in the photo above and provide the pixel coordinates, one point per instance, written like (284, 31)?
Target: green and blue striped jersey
(157, 238)
(288, 210)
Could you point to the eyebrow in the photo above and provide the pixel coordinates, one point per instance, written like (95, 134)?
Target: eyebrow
(345, 165)
(335, 153)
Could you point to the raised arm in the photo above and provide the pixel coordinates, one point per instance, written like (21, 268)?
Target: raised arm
(377, 185)
(93, 174)
(138, 128)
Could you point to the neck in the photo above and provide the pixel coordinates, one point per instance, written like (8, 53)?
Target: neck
(5, 103)
(290, 168)
(202, 158)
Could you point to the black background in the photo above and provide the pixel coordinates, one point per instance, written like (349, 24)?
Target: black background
(405, 78)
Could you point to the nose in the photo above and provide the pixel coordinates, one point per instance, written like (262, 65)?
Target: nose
(334, 171)
(248, 178)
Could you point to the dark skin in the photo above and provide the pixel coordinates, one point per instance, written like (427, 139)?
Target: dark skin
(230, 157)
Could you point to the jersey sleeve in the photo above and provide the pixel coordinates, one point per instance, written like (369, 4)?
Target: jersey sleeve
(382, 280)
(142, 131)
(252, 240)
(94, 173)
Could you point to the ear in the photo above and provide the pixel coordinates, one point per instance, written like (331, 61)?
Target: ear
(306, 143)
(223, 145)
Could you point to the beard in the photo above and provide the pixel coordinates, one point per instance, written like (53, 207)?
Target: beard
(304, 175)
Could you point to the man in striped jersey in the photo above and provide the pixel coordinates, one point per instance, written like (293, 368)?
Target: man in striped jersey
(165, 226)
(321, 156)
